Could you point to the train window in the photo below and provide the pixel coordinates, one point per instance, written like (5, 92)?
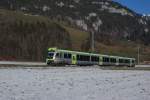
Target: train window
(57, 54)
(113, 60)
(83, 58)
(124, 61)
(67, 56)
(121, 61)
(87, 58)
(127, 61)
(78, 57)
(60, 55)
(50, 54)
(105, 59)
(132, 61)
(95, 58)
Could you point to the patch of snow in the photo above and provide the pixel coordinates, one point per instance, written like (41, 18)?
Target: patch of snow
(81, 24)
(30, 15)
(71, 6)
(146, 15)
(27, 14)
(141, 21)
(105, 7)
(106, 3)
(23, 8)
(97, 24)
(126, 34)
(45, 8)
(60, 4)
(92, 14)
(73, 83)
(99, 3)
(146, 30)
(76, 1)
(121, 11)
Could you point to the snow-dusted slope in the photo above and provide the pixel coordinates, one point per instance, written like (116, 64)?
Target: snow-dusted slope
(73, 84)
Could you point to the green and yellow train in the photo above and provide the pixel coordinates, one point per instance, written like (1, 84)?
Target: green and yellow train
(66, 57)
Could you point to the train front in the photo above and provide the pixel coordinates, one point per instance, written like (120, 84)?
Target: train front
(50, 56)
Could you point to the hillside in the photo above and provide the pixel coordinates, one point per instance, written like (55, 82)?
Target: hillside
(108, 19)
(29, 27)
(28, 37)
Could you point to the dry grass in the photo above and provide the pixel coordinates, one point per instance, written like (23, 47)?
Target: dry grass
(77, 37)
(12, 16)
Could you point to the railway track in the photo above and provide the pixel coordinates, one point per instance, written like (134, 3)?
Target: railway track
(22, 64)
(10, 64)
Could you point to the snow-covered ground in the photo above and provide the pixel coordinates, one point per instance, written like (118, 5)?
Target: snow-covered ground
(73, 83)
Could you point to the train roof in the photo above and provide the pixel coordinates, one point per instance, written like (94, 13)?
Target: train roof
(86, 53)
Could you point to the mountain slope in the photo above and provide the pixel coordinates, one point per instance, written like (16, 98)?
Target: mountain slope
(105, 17)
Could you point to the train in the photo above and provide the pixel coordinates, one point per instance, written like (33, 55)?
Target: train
(57, 56)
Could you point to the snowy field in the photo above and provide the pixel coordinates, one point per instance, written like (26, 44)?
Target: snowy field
(70, 83)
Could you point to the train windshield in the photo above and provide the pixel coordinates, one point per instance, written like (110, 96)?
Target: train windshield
(50, 55)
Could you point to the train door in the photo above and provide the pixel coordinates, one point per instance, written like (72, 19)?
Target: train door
(100, 60)
(131, 62)
(74, 59)
(117, 61)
